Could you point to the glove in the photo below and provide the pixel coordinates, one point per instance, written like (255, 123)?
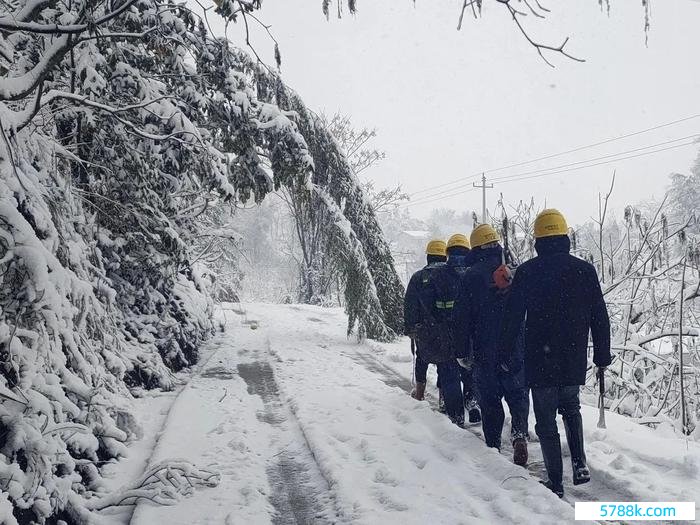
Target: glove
(464, 363)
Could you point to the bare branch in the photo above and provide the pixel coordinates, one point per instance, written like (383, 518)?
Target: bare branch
(466, 4)
(515, 14)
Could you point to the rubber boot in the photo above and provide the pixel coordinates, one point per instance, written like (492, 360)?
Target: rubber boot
(474, 415)
(472, 408)
(574, 435)
(418, 391)
(459, 421)
(559, 491)
(551, 453)
(520, 455)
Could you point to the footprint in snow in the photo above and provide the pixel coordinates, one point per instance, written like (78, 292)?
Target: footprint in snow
(691, 466)
(365, 453)
(221, 428)
(384, 477)
(237, 445)
(343, 438)
(620, 462)
(387, 502)
(402, 417)
(420, 463)
(409, 438)
(605, 448)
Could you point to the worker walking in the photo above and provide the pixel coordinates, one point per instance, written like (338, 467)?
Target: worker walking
(560, 298)
(459, 260)
(429, 305)
(485, 287)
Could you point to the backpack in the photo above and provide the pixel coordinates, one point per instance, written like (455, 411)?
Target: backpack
(502, 277)
(438, 296)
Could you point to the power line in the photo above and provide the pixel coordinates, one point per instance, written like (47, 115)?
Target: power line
(601, 163)
(547, 157)
(635, 150)
(447, 193)
(415, 203)
(521, 176)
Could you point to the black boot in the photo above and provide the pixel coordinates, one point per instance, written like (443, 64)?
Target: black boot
(574, 435)
(520, 455)
(474, 415)
(559, 491)
(581, 472)
(551, 453)
(472, 408)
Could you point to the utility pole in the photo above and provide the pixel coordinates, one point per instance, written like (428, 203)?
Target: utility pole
(483, 187)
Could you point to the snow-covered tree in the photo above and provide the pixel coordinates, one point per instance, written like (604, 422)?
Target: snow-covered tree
(121, 124)
(648, 265)
(355, 236)
(319, 269)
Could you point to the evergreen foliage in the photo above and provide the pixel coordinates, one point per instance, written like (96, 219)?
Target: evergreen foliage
(122, 124)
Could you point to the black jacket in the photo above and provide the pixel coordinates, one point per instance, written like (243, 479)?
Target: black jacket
(560, 297)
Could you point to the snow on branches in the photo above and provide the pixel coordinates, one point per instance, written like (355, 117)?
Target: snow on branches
(121, 124)
(367, 266)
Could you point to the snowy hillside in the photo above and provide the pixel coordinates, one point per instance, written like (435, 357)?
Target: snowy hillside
(305, 426)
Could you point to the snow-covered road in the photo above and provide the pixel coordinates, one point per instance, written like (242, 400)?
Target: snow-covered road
(307, 426)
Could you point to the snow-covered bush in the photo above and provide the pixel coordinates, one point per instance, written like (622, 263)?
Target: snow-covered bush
(119, 122)
(122, 123)
(650, 273)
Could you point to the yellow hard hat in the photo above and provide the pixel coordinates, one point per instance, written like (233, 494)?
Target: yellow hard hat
(550, 222)
(483, 234)
(458, 240)
(436, 247)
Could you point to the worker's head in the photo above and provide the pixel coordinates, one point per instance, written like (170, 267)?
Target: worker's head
(550, 223)
(458, 245)
(484, 236)
(436, 251)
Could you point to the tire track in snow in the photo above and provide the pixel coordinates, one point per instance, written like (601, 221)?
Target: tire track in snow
(198, 370)
(300, 492)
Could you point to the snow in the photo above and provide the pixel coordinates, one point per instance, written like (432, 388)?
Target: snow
(305, 425)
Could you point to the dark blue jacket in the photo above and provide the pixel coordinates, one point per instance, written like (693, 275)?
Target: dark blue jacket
(459, 263)
(560, 297)
(412, 311)
(483, 317)
(459, 268)
(435, 290)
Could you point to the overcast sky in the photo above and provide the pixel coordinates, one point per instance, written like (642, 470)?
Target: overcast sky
(448, 104)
